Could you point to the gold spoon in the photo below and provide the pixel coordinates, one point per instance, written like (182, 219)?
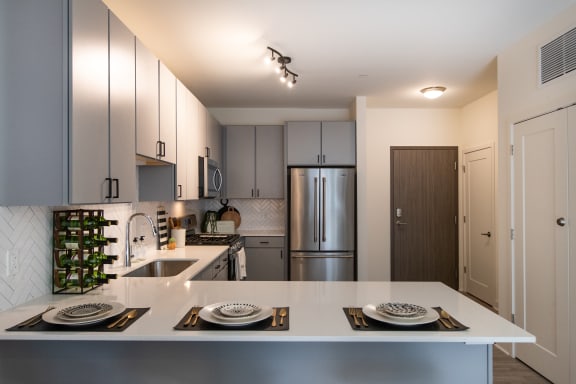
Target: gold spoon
(130, 315)
(446, 316)
(274, 317)
(283, 314)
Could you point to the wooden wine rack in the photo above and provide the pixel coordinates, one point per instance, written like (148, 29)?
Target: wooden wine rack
(80, 269)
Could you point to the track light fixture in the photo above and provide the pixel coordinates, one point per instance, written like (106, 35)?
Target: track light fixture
(281, 68)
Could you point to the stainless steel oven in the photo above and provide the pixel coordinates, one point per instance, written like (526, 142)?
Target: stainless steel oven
(209, 178)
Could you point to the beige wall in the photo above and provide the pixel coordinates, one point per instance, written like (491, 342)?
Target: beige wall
(520, 97)
(384, 128)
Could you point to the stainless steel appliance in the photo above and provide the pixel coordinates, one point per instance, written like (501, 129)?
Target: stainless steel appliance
(234, 242)
(322, 218)
(209, 178)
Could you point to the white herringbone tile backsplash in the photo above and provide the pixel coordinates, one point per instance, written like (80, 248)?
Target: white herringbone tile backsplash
(26, 238)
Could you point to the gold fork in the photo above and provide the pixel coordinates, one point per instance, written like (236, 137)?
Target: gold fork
(352, 312)
(360, 314)
(193, 315)
(36, 319)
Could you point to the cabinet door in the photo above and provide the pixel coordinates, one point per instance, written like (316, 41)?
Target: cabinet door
(183, 134)
(264, 264)
(88, 164)
(270, 162)
(338, 143)
(303, 142)
(122, 113)
(167, 133)
(196, 146)
(146, 101)
(214, 138)
(240, 161)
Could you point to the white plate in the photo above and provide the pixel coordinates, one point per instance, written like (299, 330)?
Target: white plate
(53, 318)
(208, 314)
(236, 310)
(83, 311)
(402, 310)
(370, 311)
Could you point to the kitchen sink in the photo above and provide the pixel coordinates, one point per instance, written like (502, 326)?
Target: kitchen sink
(161, 268)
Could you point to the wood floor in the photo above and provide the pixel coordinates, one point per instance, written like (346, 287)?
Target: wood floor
(508, 370)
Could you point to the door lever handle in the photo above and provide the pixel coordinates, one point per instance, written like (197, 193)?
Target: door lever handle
(398, 222)
(488, 234)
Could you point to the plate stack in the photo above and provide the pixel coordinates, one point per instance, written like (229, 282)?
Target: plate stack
(83, 314)
(400, 313)
(234, 314)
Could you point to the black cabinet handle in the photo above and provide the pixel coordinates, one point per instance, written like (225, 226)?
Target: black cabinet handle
(109, 194)
(117, 183)
(179, 190)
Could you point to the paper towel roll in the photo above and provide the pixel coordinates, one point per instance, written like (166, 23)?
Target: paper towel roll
(179, 234)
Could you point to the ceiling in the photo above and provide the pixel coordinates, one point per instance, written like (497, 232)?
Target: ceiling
(386, 50)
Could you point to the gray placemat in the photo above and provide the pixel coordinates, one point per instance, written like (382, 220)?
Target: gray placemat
(374, 325)
(43, 326)
(262, 325)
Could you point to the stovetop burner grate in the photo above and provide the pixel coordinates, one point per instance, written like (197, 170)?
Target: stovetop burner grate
(211, 239)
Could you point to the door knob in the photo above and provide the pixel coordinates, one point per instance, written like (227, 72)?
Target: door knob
(398, 222)
(487, 234)
(561, 221)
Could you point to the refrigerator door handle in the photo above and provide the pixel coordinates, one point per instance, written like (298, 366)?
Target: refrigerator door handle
(315, 209)
(323, 209)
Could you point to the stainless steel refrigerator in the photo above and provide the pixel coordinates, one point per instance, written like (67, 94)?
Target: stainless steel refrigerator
(322, 204)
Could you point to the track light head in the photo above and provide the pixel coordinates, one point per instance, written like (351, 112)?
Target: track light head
(282, 68)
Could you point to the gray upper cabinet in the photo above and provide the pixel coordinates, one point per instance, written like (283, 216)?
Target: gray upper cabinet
(102, 163)
(89, 159)
(254, 162)
(155, 107)
(213, 138)
(147, 102)
(34, 103)
(167, 128)
(321, 143)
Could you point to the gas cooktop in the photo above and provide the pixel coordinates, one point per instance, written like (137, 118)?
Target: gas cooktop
(211, 239)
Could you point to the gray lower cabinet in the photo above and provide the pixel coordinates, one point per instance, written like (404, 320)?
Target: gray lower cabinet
(217, 270)
(265, 258)
(254, 162)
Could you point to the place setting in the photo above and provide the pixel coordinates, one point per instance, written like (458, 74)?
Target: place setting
(235, 316)
(98, 316)
(396, 316)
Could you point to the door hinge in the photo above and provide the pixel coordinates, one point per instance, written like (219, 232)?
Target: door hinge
(456, 220)
(455, 165)
(513, 319)
(463, 169)
(464, 219)
(512, 234)
(511, 149)
(465, 269)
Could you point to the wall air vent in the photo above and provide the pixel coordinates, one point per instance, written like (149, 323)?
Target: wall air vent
(558, 57)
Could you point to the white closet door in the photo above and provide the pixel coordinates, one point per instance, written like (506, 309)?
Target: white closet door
(479, 229)
(541, 243)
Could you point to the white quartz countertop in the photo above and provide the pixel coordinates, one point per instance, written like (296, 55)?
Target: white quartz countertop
(316, 313)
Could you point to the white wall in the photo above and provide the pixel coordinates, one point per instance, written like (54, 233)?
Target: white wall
(520, 97)
(385, 128)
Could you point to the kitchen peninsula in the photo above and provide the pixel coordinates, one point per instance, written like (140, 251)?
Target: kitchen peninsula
(320, 345)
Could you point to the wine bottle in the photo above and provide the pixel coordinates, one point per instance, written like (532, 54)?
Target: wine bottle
(90, 222)
(63, 279)
(89, 241)
(64, 260)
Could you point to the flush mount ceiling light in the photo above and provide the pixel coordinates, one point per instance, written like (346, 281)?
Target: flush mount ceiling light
(433, 92)
(281, 66)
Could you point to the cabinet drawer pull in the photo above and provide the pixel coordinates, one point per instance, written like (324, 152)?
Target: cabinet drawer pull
(117, 183)
(109, 194)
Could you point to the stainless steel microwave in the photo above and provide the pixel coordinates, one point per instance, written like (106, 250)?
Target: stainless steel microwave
(209, 178)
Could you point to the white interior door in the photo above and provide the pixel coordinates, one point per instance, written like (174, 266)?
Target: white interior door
(541, 243)
(479, 241)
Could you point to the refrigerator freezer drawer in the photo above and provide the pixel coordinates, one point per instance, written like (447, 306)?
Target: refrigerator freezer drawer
(322, 267)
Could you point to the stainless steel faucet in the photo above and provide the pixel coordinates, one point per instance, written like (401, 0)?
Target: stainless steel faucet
(128, 256)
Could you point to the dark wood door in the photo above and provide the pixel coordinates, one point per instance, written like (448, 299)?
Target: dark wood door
(424, 214)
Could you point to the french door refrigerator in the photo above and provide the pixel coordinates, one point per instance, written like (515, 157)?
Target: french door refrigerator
(322, 223)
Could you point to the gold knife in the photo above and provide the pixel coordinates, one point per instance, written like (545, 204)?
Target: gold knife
(121, 318)
(274, 317)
